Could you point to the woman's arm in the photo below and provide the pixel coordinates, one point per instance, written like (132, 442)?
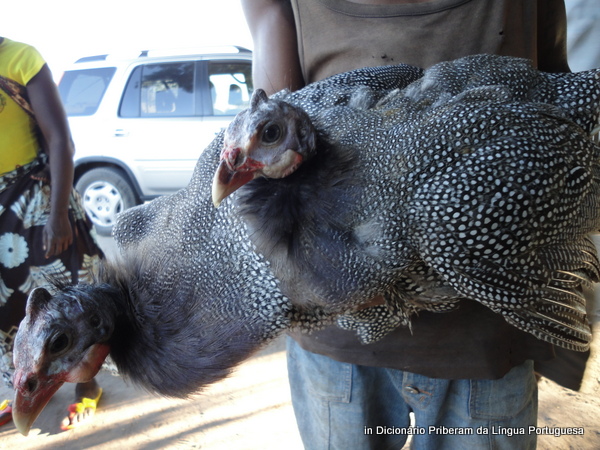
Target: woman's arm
(51, 117)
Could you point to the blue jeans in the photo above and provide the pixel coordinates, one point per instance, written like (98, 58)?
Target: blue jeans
(349, 407)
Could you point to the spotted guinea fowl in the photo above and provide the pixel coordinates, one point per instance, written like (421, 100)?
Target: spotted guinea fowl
(474, 182)
(475, 179)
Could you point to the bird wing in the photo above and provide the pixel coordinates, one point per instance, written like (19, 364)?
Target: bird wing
(539, 297)
(504, 219)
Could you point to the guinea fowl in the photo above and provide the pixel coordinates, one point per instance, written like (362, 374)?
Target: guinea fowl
(475, 179)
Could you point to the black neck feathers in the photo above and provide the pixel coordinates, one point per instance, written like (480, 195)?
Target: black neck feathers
(317, 198)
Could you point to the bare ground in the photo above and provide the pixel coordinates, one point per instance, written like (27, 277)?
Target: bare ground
(251, 410)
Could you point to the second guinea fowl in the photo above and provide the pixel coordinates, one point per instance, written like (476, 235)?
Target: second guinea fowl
(476, 181)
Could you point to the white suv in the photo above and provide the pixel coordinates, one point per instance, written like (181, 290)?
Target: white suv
(139, 124)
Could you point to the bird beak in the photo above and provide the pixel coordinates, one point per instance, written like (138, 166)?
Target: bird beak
(32, 393)
(34, 387)
(226, 181)
(235, 170)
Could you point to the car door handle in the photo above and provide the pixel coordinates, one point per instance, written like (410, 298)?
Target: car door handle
(121, 133)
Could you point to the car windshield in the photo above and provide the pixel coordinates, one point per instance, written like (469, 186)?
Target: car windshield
(82, 90)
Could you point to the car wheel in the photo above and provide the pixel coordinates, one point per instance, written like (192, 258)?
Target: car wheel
(105, 193)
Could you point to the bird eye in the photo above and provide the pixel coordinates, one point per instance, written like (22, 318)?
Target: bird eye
(271, 133)
(95, 321)
(59, 344)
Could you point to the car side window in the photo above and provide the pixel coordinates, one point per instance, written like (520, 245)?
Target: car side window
(160, 90)
(231, 87)
(81, 91)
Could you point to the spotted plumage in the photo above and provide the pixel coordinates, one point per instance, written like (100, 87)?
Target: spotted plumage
(475, 179)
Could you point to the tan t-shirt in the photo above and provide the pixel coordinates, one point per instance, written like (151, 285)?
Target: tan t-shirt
(335, 36)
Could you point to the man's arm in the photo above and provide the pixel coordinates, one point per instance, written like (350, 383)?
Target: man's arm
(276, 64)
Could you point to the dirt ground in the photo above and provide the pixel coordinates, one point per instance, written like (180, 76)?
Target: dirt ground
(560, 408)
(249, 410)
(252, 410)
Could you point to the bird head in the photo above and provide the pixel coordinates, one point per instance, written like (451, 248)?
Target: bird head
(62, 339)
(272, 138)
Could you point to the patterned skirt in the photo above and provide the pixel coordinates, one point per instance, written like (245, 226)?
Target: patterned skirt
(24, 211)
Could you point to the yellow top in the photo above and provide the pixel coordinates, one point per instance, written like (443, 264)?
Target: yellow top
(18, 144)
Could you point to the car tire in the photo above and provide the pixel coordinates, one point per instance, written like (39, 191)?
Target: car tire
(105, 193)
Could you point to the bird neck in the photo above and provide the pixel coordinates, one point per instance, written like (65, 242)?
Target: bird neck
(275, 209)
(288, 217)
(174, 338)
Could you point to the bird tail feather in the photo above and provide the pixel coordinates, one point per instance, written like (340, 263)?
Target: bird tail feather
(559, 316)
(547, 296)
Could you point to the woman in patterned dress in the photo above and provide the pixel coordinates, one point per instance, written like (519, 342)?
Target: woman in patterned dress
(44, 231)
